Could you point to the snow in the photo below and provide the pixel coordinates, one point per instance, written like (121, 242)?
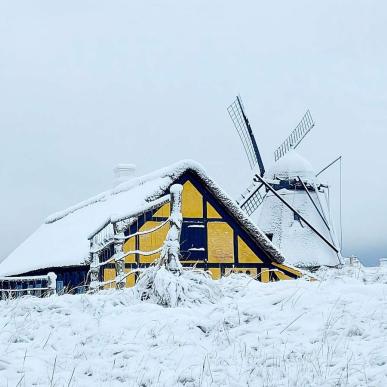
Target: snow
(63, 239)
(299, 244)
(290, 166)
(123, 172)
(171, 288)
(331, 332)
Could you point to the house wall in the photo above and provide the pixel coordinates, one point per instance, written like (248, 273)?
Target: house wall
(70, 279)
(211, 239)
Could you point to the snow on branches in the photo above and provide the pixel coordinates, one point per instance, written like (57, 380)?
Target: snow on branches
(162, 286)
(167, 283)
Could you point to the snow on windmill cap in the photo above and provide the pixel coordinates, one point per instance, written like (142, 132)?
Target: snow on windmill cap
(290, 166)
(123, 172)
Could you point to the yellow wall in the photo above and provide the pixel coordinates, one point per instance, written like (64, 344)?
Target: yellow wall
(215, 273)
(152, 241)
(265, 275)
(130, 279)
(130, 245)
(163, 212)
(245, 254)
(220, 242)
(212, 213)
(108, 275)
(249, 271)
(288, 269)
(192, 201)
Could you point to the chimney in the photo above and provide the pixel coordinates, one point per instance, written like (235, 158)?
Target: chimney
(123, 172)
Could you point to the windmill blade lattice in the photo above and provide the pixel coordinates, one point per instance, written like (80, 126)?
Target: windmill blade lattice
(242, 125)
(251, 199)
(297, 135)
(236, 116)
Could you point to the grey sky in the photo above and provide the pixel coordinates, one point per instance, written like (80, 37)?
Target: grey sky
(87, 84)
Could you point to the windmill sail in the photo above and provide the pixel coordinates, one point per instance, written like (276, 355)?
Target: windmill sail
(251, 199)
(242, 125)
(302, 129)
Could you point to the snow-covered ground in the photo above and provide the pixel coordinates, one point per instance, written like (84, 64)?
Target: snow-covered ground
(331, 332)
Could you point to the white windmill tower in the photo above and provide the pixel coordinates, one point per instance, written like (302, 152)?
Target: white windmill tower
(287, 201)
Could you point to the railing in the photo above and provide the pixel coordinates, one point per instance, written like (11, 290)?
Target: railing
(112, 231)
(39, 286)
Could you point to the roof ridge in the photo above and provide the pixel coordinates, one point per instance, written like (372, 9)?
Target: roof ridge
(173, 170)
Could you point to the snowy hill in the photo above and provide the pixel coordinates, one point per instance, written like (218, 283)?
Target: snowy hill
(291, 333)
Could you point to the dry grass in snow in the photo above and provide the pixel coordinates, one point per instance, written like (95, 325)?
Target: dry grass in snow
(293, 333)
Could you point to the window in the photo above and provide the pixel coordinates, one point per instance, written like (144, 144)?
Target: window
(59, 287)
(192, 241)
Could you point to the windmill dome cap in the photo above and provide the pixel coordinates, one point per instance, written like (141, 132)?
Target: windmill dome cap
(291, 165)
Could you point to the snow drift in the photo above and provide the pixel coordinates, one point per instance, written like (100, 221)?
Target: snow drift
(331, 332)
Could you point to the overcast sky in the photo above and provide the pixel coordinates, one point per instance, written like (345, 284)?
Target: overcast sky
(85, 85)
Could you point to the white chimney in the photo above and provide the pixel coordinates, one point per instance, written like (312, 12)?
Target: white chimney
(123, 172)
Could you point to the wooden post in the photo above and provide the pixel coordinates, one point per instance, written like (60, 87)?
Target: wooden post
(354, 261)
(94, 271)
(171, 249)
(119, 255)
(51, 283)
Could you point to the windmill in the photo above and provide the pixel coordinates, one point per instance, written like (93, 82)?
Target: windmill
(287, 201)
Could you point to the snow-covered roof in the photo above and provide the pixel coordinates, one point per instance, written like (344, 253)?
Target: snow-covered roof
(62, 240)
(290, 166)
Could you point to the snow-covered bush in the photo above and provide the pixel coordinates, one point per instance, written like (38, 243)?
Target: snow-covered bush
(167, 283)
(159, 285)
